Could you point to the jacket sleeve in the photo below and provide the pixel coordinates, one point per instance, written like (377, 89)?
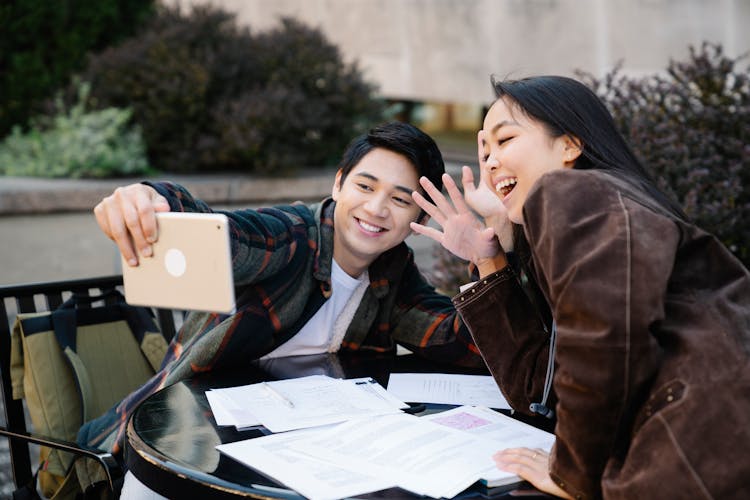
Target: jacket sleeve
(264, 241)
(510, 334)
(426, 322)
(604, 262)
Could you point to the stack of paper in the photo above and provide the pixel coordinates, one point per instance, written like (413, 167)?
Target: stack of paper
(299, 403)
(439, 456)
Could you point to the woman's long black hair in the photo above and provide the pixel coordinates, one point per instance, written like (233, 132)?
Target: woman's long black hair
(567, 107)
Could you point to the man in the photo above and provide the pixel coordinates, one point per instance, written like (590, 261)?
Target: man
(311, 278)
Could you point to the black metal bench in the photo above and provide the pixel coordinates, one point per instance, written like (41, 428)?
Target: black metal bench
(40, 297)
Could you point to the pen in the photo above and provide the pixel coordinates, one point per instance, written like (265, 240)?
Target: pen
(278, 395)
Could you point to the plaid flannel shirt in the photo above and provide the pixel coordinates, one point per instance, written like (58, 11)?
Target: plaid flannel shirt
(281, 258)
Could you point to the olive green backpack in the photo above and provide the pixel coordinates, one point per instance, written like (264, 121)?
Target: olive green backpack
(72, 365)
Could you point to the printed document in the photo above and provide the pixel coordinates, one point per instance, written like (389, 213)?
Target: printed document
(496, 432)
(316, 479)
(438, 455)
(444, 388)
(422, 457)
(299, 403)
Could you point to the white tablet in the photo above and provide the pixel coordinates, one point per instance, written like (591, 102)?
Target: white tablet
(191, 267)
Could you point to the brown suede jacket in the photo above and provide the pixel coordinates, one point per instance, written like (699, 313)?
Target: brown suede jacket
(652, 380)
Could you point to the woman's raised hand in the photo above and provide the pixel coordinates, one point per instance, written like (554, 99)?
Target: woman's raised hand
(462, 233)
(482, 198)
(485, 201)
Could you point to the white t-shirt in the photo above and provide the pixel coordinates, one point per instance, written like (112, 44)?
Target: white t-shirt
(325, 330)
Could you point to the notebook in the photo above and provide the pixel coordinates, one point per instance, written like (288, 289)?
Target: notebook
(191, 267)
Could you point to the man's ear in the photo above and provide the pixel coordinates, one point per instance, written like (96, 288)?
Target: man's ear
(573, 147)
(336, 185)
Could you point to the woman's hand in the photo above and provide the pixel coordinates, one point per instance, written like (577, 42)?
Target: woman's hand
(531, 465)
(462, 233)
(480, 197)
(483, 199)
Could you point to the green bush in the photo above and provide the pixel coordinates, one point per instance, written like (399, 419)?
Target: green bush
(691, 129)
(76, 143)
(42, 43)
(212, 96)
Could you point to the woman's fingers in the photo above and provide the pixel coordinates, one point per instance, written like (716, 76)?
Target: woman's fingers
(462, 233)
(467, 180)
(432, 210)
(437, 197)
(531, 464)
(459, 204)
(428, 231)
(524, 454)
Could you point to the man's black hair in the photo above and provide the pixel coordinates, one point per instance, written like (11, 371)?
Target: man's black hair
(401, 138)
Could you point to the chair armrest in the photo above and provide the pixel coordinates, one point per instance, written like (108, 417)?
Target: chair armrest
(112, 468)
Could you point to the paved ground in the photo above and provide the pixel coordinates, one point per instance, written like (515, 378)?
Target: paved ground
(48, 231)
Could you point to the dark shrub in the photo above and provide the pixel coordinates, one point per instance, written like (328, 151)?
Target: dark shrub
(209, 95)
(691, 129)
(42, 43)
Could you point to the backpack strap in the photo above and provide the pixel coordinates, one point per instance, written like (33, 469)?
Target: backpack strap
(141, 324)
(64, 326)
(152, 343)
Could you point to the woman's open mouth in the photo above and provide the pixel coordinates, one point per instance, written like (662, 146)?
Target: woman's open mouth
(505, 186)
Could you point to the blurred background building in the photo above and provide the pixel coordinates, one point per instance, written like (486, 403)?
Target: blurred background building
(433, 58)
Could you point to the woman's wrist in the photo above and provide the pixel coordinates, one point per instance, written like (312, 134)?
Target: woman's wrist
(488, 265)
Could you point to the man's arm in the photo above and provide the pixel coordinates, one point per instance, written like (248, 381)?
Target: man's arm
(264, 241)
(426, 322)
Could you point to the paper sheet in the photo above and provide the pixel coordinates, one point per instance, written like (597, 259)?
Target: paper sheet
(314, 478)
(422, 457)
(443, 388)
(496, 432)
(316, 400)
(227, 412)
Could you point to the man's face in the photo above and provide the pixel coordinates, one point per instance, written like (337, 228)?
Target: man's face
(373, 208)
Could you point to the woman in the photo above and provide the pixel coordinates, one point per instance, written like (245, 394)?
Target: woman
(651, 314)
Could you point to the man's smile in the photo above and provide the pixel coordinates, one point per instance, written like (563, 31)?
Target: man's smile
(370, 228)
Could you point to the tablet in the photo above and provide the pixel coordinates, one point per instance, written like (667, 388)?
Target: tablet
(191, 267)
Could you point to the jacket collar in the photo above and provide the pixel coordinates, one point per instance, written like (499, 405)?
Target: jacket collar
(386, 269)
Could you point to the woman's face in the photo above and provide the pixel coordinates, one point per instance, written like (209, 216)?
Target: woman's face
(518, 150)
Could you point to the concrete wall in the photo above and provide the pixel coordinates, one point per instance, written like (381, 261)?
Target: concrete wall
(445, 50)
